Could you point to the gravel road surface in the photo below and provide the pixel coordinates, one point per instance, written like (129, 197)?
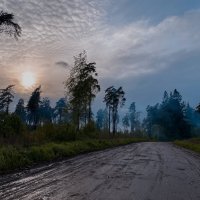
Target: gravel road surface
(142, 171)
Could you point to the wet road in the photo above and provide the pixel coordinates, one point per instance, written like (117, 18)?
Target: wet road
(143, 171)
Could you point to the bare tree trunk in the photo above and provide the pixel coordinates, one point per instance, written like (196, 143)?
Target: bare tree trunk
(78, 121)
(90, 112)
(7, 109)
(90, 107)
(109, 120)
(114, 121)
(85, 117)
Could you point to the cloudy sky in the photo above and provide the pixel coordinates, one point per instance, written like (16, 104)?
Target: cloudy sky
(146, 46)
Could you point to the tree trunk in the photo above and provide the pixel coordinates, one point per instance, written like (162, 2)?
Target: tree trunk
(114, 121)
(85, 115)
(90, 112)
(7, 109)
(78, 121)
(90, 107)
(109, 120)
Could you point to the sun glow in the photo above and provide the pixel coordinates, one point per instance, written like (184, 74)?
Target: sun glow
(28, 79)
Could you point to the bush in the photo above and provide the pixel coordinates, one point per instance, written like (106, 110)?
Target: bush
(10, 125)
(15, 158)
(41, 153)
(49, 133)
(12, 158)
(89, 131)
(192, 144)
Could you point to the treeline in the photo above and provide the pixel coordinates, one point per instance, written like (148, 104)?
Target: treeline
(71, 115)
(171, 119)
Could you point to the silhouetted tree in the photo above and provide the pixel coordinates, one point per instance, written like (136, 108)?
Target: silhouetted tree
(113, 98)
(60, 110)
(125, 122)
(91, 85)
(198, 108)
(6, 97)
(168, 118)
(8, 26)
(151, 119)
(102, 119)
(20, 110)
(108, 99)
(46, 112)
(132, 115)
(82, 87)
(33, 107)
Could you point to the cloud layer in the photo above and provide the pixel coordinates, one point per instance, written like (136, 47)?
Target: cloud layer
(143, 56)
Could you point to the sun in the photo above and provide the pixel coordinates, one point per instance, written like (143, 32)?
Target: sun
(28, 79)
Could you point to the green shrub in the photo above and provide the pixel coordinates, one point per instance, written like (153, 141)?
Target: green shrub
(192, 144)
(56, 132)
(10, 126)
(89, 131)
(12, 158)
(41, 153)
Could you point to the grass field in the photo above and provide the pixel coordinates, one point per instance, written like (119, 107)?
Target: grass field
(192, 144)
(12, 158)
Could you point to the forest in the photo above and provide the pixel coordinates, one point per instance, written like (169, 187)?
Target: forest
(72, 115)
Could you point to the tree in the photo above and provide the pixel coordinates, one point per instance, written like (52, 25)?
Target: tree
(132, 115)
(125, 122)
(6, 97)
(46, 112)
(8, 26)
(169, 117)
(198, 108)
(60, 110)
(101, 119)
(151, 119)
(33, 107)
(108, 100)
(113, 99)
(20, 110)
(92, 86)
(82, 87)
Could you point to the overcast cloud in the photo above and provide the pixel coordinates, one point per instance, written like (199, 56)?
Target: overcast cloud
(145, 46)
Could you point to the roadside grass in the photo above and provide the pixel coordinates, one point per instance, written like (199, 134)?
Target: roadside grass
(192, 144)
(13, 158)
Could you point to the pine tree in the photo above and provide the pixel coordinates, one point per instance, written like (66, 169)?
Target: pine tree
(132, 116)
(6, 98)
(46, 112)
(113, 99)
(33, 107)
(125, 122)
(20, 110)
(60, 110)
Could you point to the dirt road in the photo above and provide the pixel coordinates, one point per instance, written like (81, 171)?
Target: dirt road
(143, 171)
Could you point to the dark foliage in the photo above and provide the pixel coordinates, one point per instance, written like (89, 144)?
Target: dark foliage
(8, 26)
(33, 107)
(113, 99)
(172, 119)
(6, 97)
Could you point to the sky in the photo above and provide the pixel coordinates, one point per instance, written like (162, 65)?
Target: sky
(145, 46)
